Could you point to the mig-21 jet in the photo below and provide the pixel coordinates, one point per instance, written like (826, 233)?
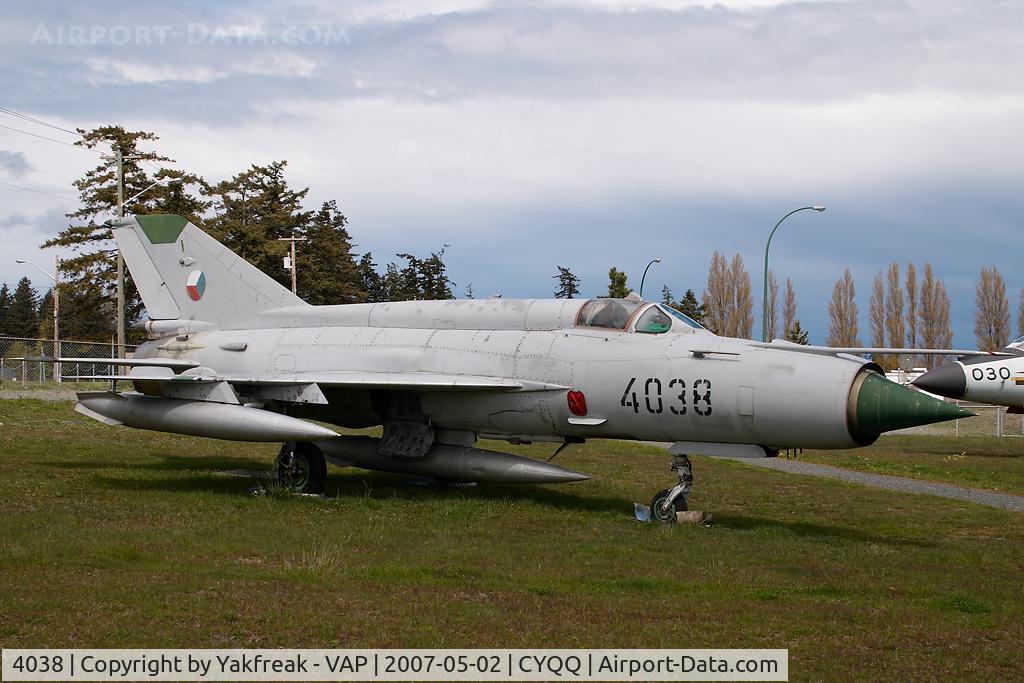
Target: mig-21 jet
(234, 355)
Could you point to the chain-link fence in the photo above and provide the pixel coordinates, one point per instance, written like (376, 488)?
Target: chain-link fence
(31, 361)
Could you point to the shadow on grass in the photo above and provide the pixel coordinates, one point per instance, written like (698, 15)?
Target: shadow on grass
(376, 486)
(168, 463)
(809, 530)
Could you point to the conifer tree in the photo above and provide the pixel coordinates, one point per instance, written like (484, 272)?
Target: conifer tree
(568, 283)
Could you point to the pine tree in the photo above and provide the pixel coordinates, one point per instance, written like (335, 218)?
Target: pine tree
(327, 271)
(254, 210)
(617, 288)
(689, 305)
(23, 315)
(797, 335)
(5, 308)
(568, 283)
(666, 296)
(44, 314)
(372, 282)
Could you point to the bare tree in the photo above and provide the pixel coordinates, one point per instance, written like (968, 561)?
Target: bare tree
(741, 320)
(935, 332)
(876, 313)
(992, 313)
(789, 309)
(842, 313)
(773, 305)
(894, 308)
(1020, 315)
(717, 296)
(911, 306)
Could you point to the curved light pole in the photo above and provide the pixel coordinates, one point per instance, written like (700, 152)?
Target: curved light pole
(764, 287)
(56, 311)
(653, 261)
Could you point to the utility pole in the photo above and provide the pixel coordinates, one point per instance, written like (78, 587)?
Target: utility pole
(119, 159)
(56, 318)
(291, 262)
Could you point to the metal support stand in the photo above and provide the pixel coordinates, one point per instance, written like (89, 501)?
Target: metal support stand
(681, 466)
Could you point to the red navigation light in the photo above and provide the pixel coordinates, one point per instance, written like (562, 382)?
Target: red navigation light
(577, 403)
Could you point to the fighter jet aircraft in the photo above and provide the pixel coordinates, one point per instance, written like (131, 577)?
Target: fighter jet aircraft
(983, 379)
(234, 355)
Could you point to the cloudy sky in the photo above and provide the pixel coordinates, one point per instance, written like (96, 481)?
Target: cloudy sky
(584, 134)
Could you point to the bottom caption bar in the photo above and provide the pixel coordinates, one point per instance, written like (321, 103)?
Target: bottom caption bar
(394, 665)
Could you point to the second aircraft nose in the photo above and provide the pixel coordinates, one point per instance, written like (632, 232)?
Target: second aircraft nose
(947, 380)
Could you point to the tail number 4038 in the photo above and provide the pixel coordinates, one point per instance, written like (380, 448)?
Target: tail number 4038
(673, 394)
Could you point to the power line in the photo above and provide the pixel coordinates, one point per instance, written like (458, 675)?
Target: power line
(29, 189)
(43, 137)
(26, 117)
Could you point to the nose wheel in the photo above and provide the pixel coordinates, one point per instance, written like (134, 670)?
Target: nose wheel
(667, 502)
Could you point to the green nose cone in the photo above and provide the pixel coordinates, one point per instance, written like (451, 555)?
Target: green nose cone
(883, 406)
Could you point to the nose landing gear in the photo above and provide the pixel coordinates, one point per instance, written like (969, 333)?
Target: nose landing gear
(667, 502)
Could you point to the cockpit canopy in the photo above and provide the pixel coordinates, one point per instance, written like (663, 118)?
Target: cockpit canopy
(650, 318)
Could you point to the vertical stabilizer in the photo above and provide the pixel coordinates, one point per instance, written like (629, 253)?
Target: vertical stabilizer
(183, 273)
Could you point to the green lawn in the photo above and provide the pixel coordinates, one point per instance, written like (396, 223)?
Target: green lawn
(113, 537)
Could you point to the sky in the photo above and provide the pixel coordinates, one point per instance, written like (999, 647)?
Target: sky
(580, 134)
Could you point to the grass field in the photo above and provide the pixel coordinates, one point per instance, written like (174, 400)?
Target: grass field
(113, 537)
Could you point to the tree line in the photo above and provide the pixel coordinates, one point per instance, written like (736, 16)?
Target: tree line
(248, 212)
(903, 312)
(251, 211)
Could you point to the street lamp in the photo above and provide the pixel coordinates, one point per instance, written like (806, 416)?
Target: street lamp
(764, 287)
(163, 183)
(56, 311)
(653, 261)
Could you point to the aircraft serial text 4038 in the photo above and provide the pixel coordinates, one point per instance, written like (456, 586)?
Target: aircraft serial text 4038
(234, 355)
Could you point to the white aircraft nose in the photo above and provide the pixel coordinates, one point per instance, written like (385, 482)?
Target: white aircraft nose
(948, 380)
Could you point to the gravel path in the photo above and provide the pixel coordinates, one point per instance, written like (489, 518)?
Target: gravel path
(41, 394)
(1003, 501)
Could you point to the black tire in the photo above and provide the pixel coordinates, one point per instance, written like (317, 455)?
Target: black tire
(666, 514)
(301, 468)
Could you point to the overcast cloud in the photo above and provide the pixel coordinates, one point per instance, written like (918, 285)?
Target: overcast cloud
(579, 134)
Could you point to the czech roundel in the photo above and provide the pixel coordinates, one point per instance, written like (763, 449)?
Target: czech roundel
(195, 285)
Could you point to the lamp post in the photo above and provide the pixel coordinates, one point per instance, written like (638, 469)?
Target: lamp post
(653, 261)
(56, 311)
(764, 286)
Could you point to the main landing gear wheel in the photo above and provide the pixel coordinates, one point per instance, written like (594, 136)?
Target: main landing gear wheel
(667, 502)
(301, 468)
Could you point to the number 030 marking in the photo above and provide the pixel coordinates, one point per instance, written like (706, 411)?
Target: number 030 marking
(654, 402)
